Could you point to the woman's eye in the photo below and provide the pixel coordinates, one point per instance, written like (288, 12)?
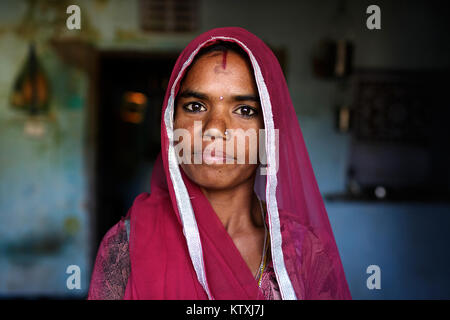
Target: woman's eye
(246, 111)
(194, 107)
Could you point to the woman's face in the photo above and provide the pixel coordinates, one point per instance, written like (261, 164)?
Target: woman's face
(219, 93)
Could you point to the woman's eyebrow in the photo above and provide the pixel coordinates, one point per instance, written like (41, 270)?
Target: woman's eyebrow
(193, 94)
(198, 95)
(246, 97)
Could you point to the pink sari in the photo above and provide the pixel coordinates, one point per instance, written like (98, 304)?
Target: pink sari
(178, 247)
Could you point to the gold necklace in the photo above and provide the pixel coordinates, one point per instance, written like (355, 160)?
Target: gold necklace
(265, 247)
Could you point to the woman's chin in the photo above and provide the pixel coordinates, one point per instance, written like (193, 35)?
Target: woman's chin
(214, 176)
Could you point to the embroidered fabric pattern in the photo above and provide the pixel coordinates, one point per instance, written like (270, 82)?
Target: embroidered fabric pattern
(112, 266)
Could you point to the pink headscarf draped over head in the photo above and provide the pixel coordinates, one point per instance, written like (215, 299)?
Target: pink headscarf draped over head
(178, 247)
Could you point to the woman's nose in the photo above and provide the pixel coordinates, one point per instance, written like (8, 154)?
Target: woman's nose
(216, 125)
(215, 132)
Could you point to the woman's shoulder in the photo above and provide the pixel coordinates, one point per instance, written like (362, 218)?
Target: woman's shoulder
(307, 241)
(146, 205)
(313, 251)
(117, 234)
(299, 229)
(112, 264)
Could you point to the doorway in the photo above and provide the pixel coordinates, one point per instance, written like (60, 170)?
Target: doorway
(131, 88)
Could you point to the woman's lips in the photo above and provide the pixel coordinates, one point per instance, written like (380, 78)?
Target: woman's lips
(215, 156)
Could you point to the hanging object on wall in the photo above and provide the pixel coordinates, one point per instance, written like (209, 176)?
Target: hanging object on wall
(31, 94)
(133, 107)
(333, 55)
(343, 116)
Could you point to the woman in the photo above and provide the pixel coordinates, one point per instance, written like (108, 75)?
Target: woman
(225, 220)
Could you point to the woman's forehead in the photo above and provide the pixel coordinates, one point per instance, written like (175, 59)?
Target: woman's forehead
(225, 67)
(222, 59)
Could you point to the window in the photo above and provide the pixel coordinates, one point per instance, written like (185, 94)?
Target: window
(169, 15)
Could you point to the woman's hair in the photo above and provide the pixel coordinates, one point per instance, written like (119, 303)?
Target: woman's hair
(222, 46)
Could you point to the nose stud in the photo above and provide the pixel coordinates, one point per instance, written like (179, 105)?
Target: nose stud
(221, 98)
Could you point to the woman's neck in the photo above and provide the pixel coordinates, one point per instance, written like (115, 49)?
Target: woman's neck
(237, 208)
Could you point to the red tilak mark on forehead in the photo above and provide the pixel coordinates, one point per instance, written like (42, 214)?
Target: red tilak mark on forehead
(224, 59)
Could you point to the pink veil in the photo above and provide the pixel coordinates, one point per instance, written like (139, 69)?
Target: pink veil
(178, 247)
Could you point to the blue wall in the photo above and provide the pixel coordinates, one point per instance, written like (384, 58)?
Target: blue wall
(408, 241)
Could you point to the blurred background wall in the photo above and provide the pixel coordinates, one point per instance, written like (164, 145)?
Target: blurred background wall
(67, 178)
